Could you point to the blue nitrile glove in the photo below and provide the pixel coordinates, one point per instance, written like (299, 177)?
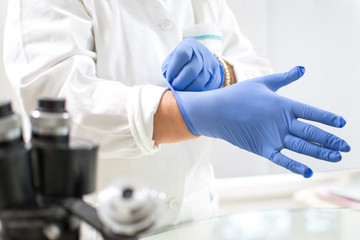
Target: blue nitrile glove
(252, 116)
(192, 67)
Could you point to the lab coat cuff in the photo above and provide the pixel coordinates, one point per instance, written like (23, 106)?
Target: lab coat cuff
(142, 104)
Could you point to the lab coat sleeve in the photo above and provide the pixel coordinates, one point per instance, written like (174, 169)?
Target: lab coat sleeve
(237, 49)
(49, 51)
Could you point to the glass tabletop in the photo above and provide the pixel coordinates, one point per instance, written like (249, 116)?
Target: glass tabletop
(282, 224)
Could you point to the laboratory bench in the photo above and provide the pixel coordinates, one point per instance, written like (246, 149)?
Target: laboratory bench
(280, 224)
(278, 207)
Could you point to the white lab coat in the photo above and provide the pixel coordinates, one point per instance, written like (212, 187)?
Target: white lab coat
(104, 57)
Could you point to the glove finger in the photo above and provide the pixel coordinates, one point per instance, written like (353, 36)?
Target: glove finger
(279, 80)
(216, 81)
(166, 62)
(311, 113)
(182, 55)
(188, 74)
(214, 71)
(303, 147)
(314, 134)
(200, 82)
(291, 165)
(213, 83)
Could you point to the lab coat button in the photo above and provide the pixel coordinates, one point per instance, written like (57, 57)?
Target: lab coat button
(174, 204)
(166, 24)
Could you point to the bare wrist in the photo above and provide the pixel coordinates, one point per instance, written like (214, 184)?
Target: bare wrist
(169, 125)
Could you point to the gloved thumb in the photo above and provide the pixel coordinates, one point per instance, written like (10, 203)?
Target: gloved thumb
(279, 80)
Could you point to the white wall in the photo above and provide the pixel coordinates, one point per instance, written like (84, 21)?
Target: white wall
(324, 36)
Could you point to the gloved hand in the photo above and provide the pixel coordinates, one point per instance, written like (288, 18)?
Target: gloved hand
(192, 67)
(252, 116)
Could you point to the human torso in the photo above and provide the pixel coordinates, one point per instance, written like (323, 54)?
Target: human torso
(132, 39)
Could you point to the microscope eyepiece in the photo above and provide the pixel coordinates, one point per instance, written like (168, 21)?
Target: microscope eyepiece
(55, 105)
(5, 109)
(50, 122)
(10, 124)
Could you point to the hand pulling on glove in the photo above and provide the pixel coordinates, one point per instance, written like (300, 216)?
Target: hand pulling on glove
(192, 67)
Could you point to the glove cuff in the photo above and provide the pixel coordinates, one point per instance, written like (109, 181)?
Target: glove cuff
(226, 71)
(182, 110)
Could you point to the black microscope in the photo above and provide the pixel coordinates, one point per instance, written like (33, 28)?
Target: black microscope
(42, 183)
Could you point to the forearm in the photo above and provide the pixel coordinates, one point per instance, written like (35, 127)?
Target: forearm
(169, 125)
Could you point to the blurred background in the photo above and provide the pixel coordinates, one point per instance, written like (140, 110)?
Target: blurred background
(323, 36)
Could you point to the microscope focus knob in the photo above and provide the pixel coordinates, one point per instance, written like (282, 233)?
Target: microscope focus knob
(129, 206)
